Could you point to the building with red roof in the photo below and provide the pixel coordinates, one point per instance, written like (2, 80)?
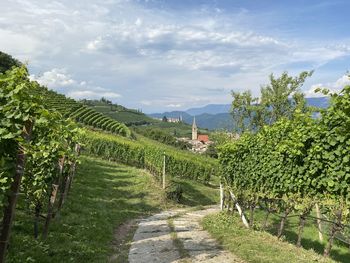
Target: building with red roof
(203, 138)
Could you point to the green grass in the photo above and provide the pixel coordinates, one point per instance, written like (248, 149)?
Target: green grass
(259, 246)
(104, 196)
(197, 194)
(310, 239)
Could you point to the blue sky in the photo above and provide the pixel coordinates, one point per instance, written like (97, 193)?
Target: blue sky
(162, 55)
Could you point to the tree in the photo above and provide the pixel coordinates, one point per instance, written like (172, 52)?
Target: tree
(7, 62)
(279, 99)
(164, 119)
(242, 110)
(282, 96)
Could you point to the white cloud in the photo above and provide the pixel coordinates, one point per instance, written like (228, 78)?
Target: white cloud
(333, 87)
(59, 79)
(149, 55)
(174, 105)
(90, 94)
(56, 78)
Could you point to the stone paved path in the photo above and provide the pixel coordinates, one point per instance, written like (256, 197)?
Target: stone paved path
(154, 240)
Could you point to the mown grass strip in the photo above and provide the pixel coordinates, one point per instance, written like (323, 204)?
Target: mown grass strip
(255, 246)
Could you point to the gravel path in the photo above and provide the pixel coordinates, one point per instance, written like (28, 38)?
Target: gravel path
(176, 236)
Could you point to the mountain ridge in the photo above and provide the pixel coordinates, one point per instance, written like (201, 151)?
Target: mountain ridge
(217, 116)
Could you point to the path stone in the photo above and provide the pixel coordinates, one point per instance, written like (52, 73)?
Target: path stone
(153, 242)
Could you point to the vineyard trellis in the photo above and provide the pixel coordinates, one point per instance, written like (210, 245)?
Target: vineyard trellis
(148, 154)
(81, 113)
(295, 164)
(32, 141)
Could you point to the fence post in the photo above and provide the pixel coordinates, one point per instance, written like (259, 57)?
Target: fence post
(164, 170)
(239, 209)
(320, 236)
(221, 197)
(9, 211)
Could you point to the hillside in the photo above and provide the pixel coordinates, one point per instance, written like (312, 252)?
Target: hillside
(139, 121)
(118, 112)
(80, 112)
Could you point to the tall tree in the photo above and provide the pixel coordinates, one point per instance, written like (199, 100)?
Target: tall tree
(282, 96)
(279, 99)
(242, 110)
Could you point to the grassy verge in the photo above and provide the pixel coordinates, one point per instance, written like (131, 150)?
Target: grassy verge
(104, 196)
(196, 193)
(255, 246)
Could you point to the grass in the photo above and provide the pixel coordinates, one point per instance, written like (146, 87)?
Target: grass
(104, 196)
(197, 194)
(310, 239)
(260, 246)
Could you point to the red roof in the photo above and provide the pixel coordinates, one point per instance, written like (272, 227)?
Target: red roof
(203, 138)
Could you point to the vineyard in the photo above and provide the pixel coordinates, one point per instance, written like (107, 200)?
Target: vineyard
(38, 154)
(294, 165)
(81, 113)
(148, 154)
(40, 141)
(297, 168)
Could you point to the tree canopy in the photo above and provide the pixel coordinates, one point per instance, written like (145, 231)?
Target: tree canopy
(279, 99)
(7, 62)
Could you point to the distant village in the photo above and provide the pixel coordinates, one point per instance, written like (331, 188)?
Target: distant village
(199, 142)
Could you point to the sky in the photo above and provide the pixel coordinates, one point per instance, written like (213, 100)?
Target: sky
(165, 55)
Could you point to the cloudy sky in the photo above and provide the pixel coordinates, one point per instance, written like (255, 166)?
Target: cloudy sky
(161, 55)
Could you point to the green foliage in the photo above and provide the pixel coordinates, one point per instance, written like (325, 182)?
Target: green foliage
(50, 138)
(279, 99)
(297, 161)
(161, 136)
(82, 113)
(17, 108)
(282, 96)
(7, 62)
(148, 154)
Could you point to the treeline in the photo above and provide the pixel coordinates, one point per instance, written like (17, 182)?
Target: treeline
(148, 154)
(38, 154)
(293, 164)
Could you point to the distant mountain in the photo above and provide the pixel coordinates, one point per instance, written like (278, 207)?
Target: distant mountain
(205, 120)
(210, 109)
(172, 114)
(321, 102)
(217, 116)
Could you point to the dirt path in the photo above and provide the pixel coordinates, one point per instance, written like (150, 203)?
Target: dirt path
(176, 236)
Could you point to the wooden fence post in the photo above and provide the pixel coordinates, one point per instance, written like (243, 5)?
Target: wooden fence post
(221, 197)
(50, 209)
(164, 170)
(9, 211)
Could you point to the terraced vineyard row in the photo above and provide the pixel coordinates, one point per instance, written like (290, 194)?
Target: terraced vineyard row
(82, 113)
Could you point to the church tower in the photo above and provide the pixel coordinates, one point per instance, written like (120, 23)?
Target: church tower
(194, 130)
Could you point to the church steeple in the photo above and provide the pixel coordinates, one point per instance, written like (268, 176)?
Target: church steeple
(194, 130)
